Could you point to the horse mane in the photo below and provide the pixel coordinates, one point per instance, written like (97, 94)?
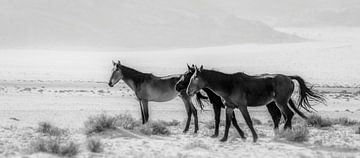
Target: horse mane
(136, 76)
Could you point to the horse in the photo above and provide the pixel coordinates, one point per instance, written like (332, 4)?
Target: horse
(240, 90)
(148, 87)
(218, 104)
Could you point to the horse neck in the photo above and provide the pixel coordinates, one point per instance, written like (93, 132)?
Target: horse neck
(218, 82)
(132, 77)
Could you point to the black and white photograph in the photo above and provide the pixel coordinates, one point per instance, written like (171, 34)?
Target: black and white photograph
(180, 78)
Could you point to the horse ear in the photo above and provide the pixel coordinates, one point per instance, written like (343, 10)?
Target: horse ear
(119, 62)
(113, 62)
(201, 68)
(188, 66)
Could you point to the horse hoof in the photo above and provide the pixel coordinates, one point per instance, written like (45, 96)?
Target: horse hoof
(214, 136)
(185, 131)
(255, 140)
(223, 140)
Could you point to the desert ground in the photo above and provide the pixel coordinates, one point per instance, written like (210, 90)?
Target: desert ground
(67, 94)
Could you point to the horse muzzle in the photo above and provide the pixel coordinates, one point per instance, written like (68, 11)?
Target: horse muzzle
(111, 85)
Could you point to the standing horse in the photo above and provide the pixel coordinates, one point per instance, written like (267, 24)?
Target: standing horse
(240, 91)
(148, 87)
(217, 103)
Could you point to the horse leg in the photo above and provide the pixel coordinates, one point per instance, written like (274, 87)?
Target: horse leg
(245, 113)
(217, 113)
(234, 122)
(188, 112)
(282, 105)
(275, 115)
(229, 115)
(142, 112)
(194, 112)
(145, 105)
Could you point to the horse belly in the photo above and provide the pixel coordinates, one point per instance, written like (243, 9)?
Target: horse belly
(158, 95)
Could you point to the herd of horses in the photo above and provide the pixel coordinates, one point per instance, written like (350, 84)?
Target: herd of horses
(229, 91)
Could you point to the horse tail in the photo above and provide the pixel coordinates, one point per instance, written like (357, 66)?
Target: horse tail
(307, 94)
(199, 97)
(292, 105)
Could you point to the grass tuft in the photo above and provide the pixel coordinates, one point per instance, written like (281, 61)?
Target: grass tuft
(94, 145)
(318, 121)
(126, 121)
(296, 134)
(99, 123)
(49, 129)
(345, 121)
(154, 128)
(55, 146)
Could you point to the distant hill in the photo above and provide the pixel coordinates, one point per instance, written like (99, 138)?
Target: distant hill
(349, 16)
(123, 24)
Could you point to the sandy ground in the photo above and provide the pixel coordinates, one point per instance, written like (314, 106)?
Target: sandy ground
(68, 105)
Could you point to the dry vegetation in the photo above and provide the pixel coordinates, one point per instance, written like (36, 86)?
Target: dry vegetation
(94, 145)
(102, 122)
(299, 133)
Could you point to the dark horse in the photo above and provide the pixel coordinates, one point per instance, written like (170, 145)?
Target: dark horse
(217, 103)
(148, 87)
(240, 91)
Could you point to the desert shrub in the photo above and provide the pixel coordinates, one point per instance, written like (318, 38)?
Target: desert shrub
(296, 134)
(154, 128)
(345, 121)
(48, 128)
(94, 145)
(55, 146)
(318, 121)
(126, 121)
(99, 123)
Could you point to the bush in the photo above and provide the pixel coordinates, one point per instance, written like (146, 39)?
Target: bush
(345, 121)
(55, 146)
(47, 128)
(318, 121)
(94, 145)
(154, 128)
(99, 123)
(297, 134)
(126, 121)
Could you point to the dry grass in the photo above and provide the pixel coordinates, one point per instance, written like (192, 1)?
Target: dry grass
(94, 145)
(345, 121)
(99, 123)
(318, 121)
(49, 129)
(296, 134)
(55, 146)
(126, 121)
(154, 128)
